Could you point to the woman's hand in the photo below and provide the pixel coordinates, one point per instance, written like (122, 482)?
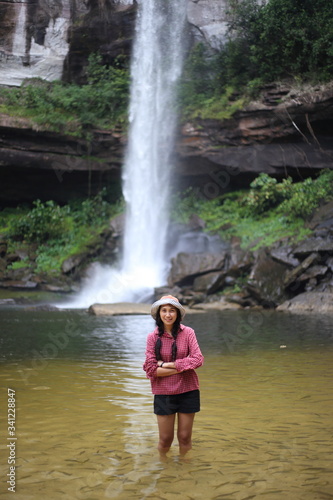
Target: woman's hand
(165, 364)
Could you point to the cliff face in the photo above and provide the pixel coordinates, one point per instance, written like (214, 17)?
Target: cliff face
(53, 39)
(293, 137)
(284, 133)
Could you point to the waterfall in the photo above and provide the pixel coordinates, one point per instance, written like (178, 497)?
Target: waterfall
(157, 61)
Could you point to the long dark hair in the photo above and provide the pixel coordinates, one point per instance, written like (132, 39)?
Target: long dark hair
(174, 332)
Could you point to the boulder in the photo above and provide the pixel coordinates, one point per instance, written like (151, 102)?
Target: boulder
(18, 284)
(266, 280)
(7, 302)
(119, 309)
(285, 256)
(117, 225)
(310, 245)
(309, 302)
(219, 305)
(291, 276)
(209, 282)
(186, 266)
(238, 261)
(72, 262)
(313, 272)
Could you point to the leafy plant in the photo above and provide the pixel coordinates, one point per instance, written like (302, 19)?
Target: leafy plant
(45, 221)
(306, 196)
(266, 193)
(269, 211)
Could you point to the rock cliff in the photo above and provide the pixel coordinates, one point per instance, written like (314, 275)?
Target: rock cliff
(53, 39)
(285, 133)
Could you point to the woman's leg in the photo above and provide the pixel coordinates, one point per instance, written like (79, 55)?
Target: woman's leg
(166, 428)
(184, 431)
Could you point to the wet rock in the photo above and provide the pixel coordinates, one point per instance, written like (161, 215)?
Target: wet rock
(221, 305)
(209, 282)
(314, 245)
(238, 261)
(266, 280)
(166, 290)
(117, 225)
(313, 272)
(196, 223)
(285, 256)
(5, 302)
(309, 302)
(119, 309)
(18, 284)
(190, 297)
(242, 299)
(325, 285)
(185, 266)
(72, 262)
(293, 275)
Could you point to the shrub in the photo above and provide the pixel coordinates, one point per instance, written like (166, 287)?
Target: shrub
(266, 193)
(45, 221)
(306, 196)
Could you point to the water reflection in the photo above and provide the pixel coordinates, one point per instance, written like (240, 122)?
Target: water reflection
(85, 425)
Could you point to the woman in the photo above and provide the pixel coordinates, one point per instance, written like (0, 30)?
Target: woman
(172, 355)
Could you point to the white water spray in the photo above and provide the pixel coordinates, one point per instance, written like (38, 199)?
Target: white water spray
(156, 67)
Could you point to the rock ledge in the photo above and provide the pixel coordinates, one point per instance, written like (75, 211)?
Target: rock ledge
(309, 302)
(119, 309)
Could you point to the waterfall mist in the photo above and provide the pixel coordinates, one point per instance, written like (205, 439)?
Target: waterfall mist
(156, 66)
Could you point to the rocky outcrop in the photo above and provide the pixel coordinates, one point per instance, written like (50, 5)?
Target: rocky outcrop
(292, 138)
(309, 302)
(287, 137)
(52, 40)
(55, 166)
(273, 275)
(33, 40)
(208, 19)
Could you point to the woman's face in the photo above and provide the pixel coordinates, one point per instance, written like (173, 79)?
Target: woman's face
(168, 315)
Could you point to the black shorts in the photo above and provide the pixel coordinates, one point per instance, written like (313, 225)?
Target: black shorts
(187, 402)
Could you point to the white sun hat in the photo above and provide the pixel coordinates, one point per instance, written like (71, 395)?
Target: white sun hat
(167, 299)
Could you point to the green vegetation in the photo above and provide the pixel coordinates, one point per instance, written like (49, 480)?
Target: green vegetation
(272, 41)
(70, 108)
(269, 211)
(56, 233)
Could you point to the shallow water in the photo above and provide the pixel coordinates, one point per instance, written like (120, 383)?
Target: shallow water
(84, 423)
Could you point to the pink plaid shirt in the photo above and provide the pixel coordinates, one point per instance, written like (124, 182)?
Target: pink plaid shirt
(189, 357)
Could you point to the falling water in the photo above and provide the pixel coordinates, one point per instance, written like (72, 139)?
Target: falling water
(156, 67)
